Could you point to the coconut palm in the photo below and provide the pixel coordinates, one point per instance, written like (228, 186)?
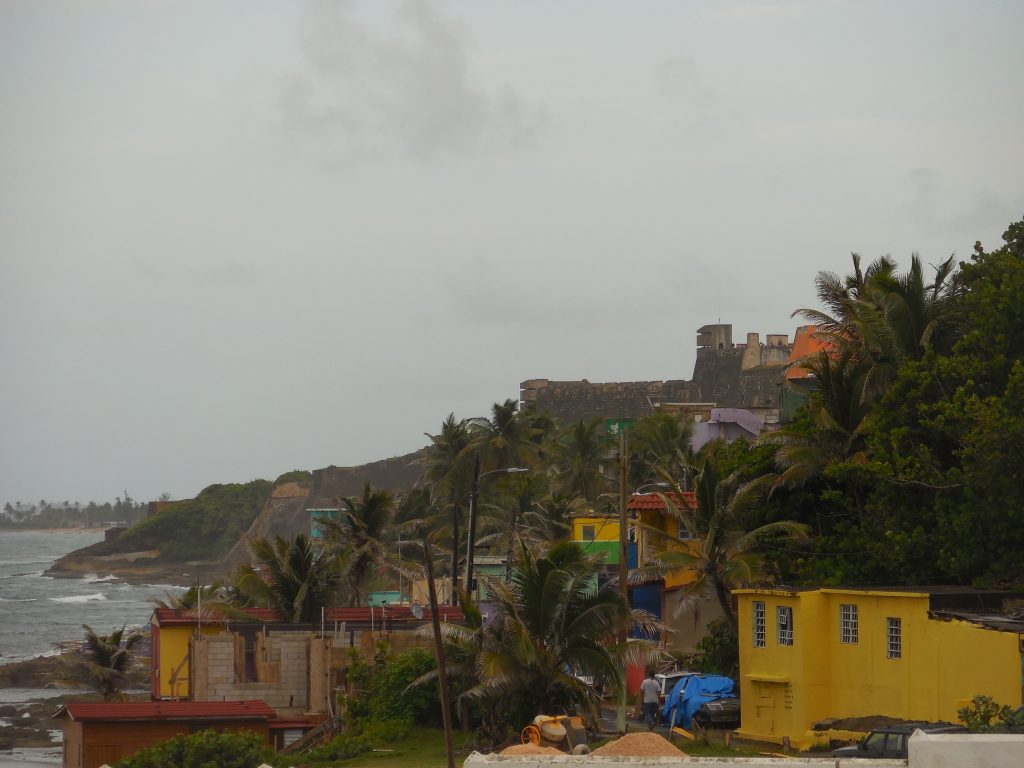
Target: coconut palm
(507, 439)
(721, 554)
(552, 624)
(876, 319)
(362, 533)
(105, 663)
(298, 578)
(660, 441)
(578, 455)
(448, 472)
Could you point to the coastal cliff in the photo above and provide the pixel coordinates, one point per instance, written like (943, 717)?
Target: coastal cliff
(203, 538)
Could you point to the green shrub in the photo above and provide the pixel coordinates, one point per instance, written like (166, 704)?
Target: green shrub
(394, 699)
(206, 749)
(358, 738)
(986, 715)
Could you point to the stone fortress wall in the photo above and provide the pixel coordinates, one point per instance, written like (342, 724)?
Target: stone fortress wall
(725, 375)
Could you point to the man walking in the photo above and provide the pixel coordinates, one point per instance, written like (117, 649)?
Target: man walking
(651, 691)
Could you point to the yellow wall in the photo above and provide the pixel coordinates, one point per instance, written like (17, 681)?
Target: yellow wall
(668, 525)
(173, 648)
(784, 689)
(605, 528)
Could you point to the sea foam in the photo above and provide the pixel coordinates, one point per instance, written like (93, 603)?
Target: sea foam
(79, 598)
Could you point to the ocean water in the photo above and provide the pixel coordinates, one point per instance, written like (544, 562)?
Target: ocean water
(38, 612)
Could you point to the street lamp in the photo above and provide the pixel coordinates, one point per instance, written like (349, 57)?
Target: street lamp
(471, 533)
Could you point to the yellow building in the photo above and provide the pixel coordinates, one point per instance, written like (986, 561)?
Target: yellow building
(812, 655)
(687, 620)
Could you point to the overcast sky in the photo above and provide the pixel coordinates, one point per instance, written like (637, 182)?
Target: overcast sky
(240, 238)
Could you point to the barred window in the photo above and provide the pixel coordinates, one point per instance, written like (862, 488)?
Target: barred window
(784, 624)
(848, 626)
(759, 624)
(895, 637)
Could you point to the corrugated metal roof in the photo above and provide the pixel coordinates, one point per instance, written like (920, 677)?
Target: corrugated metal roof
(167, 617)
(655, 502)
(168, 710)
(997, 622)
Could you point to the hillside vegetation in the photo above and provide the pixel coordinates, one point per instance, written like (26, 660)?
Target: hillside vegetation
(205, 527)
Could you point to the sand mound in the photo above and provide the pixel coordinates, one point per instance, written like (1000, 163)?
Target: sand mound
(640, 745)
(530, 749)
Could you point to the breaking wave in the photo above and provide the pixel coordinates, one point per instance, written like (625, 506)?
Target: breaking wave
(79, 598)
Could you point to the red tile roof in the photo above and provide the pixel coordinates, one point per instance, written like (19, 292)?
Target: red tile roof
(168, 617)
(643, 502)
(168, 710)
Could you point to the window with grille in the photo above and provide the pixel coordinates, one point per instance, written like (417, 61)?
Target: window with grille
(895, 638)
(784, 624)
(682, 532)
(848, 629)
(759, 628)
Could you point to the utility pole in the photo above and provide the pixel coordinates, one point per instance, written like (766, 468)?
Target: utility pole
(442, 672)
(620, 720)
(471, 527)
(454, 600)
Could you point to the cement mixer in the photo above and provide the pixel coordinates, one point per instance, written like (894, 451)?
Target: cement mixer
(554, 731)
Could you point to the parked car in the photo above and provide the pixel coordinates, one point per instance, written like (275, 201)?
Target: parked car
(667, 681)
(720, 713)
(717, 713)
(891, 742)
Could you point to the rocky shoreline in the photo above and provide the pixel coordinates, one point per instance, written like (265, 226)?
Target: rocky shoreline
(141, 567)
(31, 723)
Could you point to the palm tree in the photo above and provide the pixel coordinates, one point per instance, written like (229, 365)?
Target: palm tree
(361, 536)
(724, 555)
(106, 662)
(661, 441)
(507, 439)
(876, 319)
(298, 578)
(554, 624)
(579, 453)
(448, 472)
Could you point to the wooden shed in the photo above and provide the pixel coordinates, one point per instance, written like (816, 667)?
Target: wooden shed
(96, 733)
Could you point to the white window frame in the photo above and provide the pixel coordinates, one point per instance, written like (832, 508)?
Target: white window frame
(894, 637)
(760, 638)
(784, 626)
(849, 624)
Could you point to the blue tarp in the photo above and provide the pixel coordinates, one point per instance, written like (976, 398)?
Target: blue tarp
(691, 692)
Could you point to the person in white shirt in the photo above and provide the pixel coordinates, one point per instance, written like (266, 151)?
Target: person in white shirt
(651, 690)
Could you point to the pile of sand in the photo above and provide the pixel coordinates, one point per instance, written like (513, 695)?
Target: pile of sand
(640, 745)
(531, 749)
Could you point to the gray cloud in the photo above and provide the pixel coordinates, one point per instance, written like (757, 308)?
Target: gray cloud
(369, 95)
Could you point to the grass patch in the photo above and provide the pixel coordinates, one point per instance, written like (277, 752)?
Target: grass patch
(421, 747)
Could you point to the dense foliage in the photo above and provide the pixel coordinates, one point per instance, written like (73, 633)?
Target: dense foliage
(925, 483)
(205, 527)
(205, 749)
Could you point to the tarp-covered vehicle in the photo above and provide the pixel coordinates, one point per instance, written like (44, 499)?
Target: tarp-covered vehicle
(710, 700)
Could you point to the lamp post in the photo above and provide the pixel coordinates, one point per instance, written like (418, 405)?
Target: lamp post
(471, 533)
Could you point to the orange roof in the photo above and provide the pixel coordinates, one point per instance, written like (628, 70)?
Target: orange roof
(643, 502)
(168, 710)
(806, 342)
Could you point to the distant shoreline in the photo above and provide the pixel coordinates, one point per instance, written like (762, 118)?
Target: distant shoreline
(52, 530)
